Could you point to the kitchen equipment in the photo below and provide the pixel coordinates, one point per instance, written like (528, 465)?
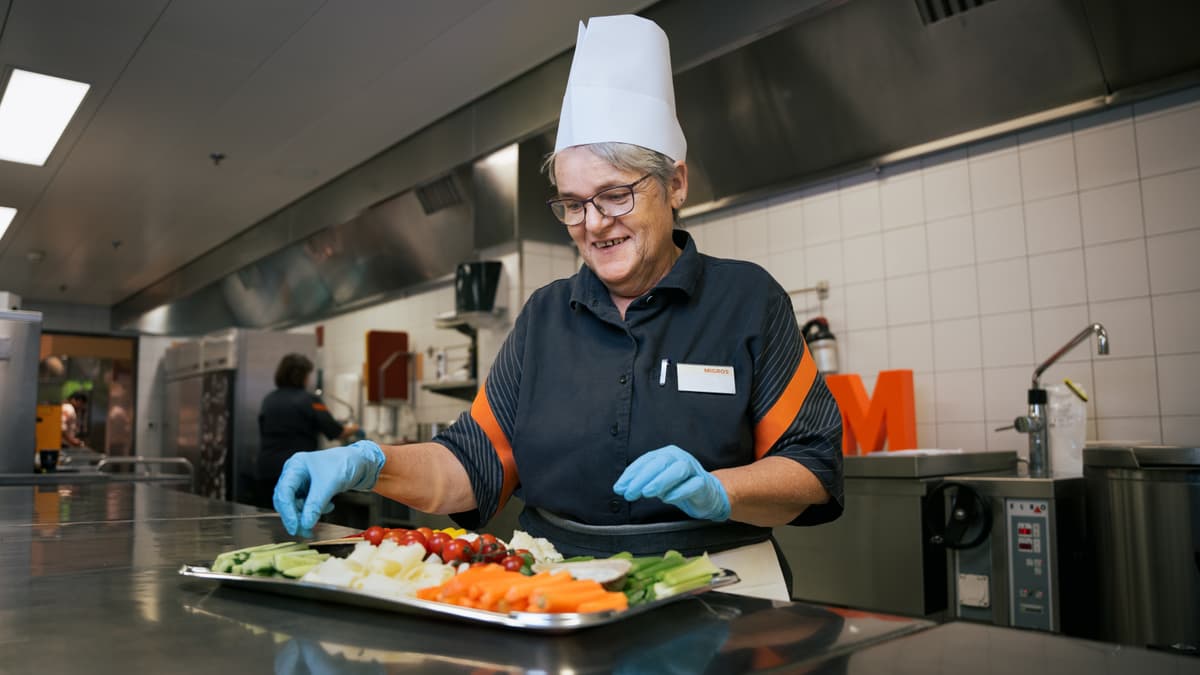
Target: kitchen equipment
(821, 344)
(1144, 524)
(20, 345)
(1015, 550)
(215, 387)
(1035, 423)
(878, 555)
(475, 286)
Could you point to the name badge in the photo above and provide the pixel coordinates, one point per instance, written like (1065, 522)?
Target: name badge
(705, 379)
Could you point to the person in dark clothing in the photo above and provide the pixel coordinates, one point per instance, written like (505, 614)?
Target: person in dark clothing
(289, 421)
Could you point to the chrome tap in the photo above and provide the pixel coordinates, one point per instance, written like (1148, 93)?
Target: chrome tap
(1035, 423)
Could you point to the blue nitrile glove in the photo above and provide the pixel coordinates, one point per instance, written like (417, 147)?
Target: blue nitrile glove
(674, 476)
(310, 479)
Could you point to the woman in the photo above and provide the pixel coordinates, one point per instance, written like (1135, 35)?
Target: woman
(658, 399)
(288, 422)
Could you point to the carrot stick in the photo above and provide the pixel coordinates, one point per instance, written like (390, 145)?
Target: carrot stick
(522, 591)
(566, 598)
(613, 601)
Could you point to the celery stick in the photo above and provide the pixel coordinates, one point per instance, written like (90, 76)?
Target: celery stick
(696, 567)
(664, 590)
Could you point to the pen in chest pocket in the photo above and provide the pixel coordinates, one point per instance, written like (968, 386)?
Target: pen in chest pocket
(662, 372)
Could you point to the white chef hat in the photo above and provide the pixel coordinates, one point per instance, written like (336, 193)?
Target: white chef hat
(620, 88)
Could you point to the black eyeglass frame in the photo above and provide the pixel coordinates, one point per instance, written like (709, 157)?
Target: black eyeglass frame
(592, 200)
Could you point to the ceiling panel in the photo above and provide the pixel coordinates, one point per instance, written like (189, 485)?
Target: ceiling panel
(294, 92)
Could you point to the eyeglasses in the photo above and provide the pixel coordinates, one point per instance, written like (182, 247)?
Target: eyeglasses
(610, 202)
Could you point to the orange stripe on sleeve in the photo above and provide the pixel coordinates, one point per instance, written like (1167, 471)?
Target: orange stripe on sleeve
(481, 412)
(780, 416)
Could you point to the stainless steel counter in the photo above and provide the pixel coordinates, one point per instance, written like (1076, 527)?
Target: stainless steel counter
(90, 584)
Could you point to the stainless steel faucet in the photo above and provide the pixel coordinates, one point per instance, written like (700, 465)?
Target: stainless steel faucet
(1035, 423)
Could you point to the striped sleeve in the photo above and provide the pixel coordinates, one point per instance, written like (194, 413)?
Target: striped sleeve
(481, 438)
(794, 413)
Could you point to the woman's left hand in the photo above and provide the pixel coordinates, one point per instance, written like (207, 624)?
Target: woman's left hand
(673, 475)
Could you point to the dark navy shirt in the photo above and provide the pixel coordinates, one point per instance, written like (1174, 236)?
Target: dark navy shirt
(577, 393)
(288, 422)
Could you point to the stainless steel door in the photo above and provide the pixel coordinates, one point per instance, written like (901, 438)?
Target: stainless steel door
(20, 344)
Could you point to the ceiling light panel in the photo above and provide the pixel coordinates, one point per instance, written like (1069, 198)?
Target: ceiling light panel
(7, 213)
(34, 113)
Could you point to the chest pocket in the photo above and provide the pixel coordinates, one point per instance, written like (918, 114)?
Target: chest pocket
(715, 428)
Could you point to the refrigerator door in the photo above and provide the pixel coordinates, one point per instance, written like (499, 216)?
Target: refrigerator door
(20, 345)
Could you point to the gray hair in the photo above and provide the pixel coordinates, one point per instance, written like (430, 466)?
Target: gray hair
(627, 157)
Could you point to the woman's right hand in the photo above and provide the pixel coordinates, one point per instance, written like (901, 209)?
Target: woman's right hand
(310, 480)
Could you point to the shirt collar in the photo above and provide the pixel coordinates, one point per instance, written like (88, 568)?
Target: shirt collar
(587, 289)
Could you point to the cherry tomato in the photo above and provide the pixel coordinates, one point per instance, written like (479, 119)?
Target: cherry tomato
(456, 551)
(486, 539)
(492, 552)
(396, 536)
(437, 541)
(426, 532)
(374, 535)
(513, 563)
(414, 537)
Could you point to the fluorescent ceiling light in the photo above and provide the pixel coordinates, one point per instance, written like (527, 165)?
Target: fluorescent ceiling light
(34, 113)
(7, 213)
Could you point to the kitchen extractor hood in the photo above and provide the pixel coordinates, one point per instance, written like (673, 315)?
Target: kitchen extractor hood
(771, 95)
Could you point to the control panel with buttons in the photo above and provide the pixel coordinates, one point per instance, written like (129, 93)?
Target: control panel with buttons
(1029, 564)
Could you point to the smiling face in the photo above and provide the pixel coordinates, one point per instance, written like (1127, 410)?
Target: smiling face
(629, 253)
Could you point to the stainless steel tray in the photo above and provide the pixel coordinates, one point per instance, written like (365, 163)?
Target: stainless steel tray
(536, 622)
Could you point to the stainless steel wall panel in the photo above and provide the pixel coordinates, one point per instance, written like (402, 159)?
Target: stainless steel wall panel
(20, 345)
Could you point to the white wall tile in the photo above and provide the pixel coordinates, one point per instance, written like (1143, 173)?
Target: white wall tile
(1003, 286)
(1169, 141)
(1177, 323)
(822, 219)
(1176, 430)
(860, 210)
(951, 242)
(999, 234)
(1048, 168)
(1129, 326)
(866, 306)
(1053, 327)
(750, 235)
(1053, 224)
(863, 258)
(1138, 429)
(1057, 279)
(956, 345)
(967, 436)
(904, 251)
(1172, 202)
(1175, 262)
(1125, 387)
(959, 397)
(911, 347)
(1117, 271)
(925, 398)
(720, 238)
(901, 201)
(1106, 155)
(785, 226)
(1007, 339)
(954, 293)
(1005, 391)
(1179, 384)
(908, 299)
(868, 351)
(926, 435)
(788, 268)
(947, 190)
(1111, 213)
(995, 181)
(823, 263)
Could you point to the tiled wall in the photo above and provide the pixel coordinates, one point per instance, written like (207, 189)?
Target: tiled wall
(971, 266)
(345, 346)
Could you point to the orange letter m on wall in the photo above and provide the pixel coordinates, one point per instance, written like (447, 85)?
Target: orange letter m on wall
(866, 421)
